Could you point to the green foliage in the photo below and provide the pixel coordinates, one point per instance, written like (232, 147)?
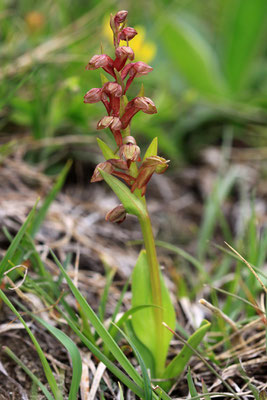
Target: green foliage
(143, 322)
(47, 370)
(132, 204)
(178, 364)
(243, 27)
(194, 54)
(33, 377)
(106, 151)
(15, 243)
(152, 149)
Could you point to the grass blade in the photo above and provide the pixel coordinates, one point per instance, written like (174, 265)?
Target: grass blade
(15, 243)
(41, 213)
(33, 377)
(178, 364)
(147, 383)
(191, 386)
(72, 349)
(99, 327)
(47, 370)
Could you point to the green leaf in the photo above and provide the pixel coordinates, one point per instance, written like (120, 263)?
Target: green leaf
(191, 386)
(143, 322)
(147, 383)
(99, 327)
(192, 55)
(213, 206)
(125, 317)
(41, 213)
(142, 91)
(15, 243)
(73, 352)
(152, 149)
(47, 370)
(106, 151)
(178, 364)
(131, 203)
(103, 78)
(243, 31)
(28, 372)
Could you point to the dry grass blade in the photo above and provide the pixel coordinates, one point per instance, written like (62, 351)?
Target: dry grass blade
(204, 361)
(249, 266)
(96, 381)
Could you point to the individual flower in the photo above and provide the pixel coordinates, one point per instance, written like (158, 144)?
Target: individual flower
(101, 61)
(110, 166)
(129, 151)
(105, 166)
(93, 96)
(150, 165)
(109, 121)
(120, 17)
(138, 103)
(127, 33)
(117, 215)
(134, 70)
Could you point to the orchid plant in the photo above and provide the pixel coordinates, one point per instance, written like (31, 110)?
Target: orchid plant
(150, 295)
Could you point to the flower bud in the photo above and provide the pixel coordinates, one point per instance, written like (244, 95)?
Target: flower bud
(105, 166)
(99, 61)
(145, 104)
(127, 33)
(129, 140)
(93, 96)
(113, 88)
(118, 214)
(120, 17)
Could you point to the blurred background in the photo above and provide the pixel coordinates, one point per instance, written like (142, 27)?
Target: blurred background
(209, 85)
(209, 77)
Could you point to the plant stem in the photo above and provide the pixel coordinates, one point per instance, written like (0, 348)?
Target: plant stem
(155, 282)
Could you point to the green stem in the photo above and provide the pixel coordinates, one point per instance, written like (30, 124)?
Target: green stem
(155, 282)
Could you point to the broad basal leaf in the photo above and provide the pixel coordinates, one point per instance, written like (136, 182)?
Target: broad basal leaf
(143, 321)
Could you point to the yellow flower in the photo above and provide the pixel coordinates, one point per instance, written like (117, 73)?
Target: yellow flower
(144, 50)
